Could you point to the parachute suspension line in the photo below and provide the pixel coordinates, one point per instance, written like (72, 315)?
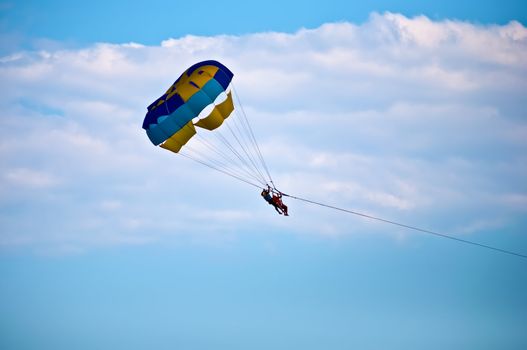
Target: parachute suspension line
(408, 226)
(245, 151)
(234, 165)
(213, 163)
(247, 127)
(243, 136)
(210, 160)
(217, 169)
(217, 163)
(215, 149)
(243, 161)
(220, 165)
(251, 133)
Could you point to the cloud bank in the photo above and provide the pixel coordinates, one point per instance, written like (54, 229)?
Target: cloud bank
(407, 118)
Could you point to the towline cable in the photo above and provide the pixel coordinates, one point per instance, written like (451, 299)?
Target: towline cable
(408, 226)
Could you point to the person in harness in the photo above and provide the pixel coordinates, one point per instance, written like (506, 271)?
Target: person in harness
(275, 200)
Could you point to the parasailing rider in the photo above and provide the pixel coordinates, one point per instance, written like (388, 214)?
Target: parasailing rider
(275, 200)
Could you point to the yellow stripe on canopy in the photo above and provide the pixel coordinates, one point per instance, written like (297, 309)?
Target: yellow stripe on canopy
(218, 114)
(185, 89)
(226, 107)
(200, 80)
(176, 141)
(211, 70)
(211, 122)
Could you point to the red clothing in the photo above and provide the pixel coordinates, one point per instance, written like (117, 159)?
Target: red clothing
(278, 202)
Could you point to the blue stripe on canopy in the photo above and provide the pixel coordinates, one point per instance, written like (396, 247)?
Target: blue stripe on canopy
(152, 115)
(170, 124)
(155, 134)
(174, 103)
(223, 78)
(198, 101)
(212, 89)
(166, 108)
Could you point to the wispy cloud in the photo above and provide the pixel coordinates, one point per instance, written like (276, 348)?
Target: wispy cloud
(30, 178)
(404, 117)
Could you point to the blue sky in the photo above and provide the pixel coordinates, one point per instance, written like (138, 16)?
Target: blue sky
(412, 111)
(151, 22)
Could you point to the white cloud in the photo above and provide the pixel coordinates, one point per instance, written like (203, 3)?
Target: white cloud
(517, 201)
(30, 178)
(111, 204)
(400, 117)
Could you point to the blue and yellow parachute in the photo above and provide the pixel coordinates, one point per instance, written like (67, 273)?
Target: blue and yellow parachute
(169, 121)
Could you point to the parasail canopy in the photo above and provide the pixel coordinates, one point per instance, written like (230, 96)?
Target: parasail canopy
(171, 119)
